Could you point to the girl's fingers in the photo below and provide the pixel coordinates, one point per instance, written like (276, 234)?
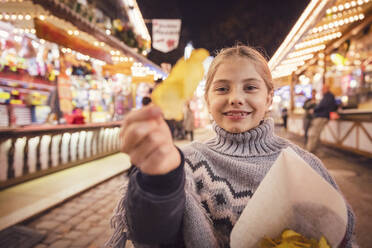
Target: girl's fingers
(146, 113)
(146, 147)
(146, 138)
(162, 160)
(143, 114)
(133, 135)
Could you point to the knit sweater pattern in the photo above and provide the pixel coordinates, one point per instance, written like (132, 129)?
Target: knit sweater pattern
(227, 169)
(221, 176)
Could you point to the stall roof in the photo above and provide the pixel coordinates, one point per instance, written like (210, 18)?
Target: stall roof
(58, 9)
(112, 8)
(323, 26)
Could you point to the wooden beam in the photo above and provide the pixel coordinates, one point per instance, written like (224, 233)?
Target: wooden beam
(352, 30)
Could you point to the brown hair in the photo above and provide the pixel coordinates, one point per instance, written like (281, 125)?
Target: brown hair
(241, 51)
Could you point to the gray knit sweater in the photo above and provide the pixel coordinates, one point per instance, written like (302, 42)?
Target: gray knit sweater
(221, 175)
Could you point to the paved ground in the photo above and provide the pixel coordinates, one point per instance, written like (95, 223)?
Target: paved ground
(83, 221)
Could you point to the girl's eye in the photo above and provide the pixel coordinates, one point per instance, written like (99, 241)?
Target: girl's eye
(221, 89)
(250, 87)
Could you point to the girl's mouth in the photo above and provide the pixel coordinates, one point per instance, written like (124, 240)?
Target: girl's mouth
(236, 115)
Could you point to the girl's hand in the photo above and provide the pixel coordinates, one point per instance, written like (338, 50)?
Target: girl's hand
(148, 141)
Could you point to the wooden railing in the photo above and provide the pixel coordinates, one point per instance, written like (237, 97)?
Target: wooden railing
(353, 134)
(31, 152)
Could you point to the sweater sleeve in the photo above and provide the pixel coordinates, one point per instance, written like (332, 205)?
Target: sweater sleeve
(155, 206)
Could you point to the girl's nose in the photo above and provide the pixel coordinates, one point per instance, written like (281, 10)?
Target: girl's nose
(236, 98)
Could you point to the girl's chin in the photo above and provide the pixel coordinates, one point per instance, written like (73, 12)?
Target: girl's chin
(238, 128)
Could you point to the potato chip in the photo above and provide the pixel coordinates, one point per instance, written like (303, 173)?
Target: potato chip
(180, 85)
(292, 239)
(323, 243)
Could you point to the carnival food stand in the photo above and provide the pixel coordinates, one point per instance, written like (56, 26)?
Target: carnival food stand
(331, 44)
(63, 63)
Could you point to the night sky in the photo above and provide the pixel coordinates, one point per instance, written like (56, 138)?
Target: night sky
(214, 24)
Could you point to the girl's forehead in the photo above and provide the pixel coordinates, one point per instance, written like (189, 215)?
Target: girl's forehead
(235, 59)
(235, 62)
(236, 66)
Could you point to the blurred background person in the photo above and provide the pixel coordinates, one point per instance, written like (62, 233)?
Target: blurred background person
(77, 116)
(189, 121)
(309, 106)
(321, 117)
(285, 117)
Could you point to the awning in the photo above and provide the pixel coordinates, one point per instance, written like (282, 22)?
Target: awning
(49, 32)
(123, 68)
(322, 27)
(144, 79)
(60, 10)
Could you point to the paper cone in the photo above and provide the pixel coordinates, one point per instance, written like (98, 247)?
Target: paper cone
(291, 196)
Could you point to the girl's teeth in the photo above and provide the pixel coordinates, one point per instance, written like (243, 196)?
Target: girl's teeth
(236, 114)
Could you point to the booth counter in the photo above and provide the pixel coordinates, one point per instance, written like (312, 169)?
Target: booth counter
(33, 151)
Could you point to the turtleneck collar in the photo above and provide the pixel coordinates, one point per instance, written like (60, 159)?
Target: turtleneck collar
(258, 141)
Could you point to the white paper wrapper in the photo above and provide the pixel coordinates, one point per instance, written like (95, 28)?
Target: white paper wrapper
(291, 196)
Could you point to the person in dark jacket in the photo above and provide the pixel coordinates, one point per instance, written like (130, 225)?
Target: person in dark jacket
(285, 117)
(309, 106)
(321, 118)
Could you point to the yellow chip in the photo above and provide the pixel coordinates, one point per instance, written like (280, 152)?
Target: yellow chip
(180, 85)
(292, 239)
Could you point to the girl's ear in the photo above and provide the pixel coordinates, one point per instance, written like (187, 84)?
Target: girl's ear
(270, 98)
(206, 102)
(269, 101)
(209, 111)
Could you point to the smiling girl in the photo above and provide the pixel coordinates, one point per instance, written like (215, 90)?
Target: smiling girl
(192, 197)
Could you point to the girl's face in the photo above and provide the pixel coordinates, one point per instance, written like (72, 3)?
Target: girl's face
(238, 97)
